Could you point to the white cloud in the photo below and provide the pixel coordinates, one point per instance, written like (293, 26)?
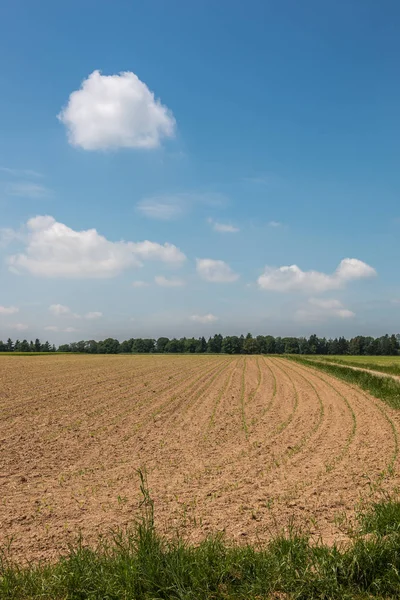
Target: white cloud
(292, 278)
(168, 281)
(27, 190)
(59, 310)
(223, 227)
(352, 268)
(140, 284)
(167, 253)
(163, 208)
(275, 224)
(116, 111)
(55, 250)
(8, 310)
(55, 328)
(166, 207)
(20, 172)
(319, 309)
(209, 318)
(216, 271)
(93, 315)
(19, 326)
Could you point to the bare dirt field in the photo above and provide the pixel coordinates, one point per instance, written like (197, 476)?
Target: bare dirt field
(237, 444)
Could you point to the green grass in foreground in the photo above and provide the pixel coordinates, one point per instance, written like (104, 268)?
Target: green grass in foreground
(384, 388)
(139, 564)
(384, 364)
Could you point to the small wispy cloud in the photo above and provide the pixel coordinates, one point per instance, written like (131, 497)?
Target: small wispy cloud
(55, 328)
(318, 309)
(162, 208)
(140, 284)
(59, 310)
(167, 207)
(93, 315)
(20, 172)
(19, 326)
(8, 310)
(27, 190)
(168, 281)
(275, 224)
(209, 318)
(223, 227)
(216, 271)
(265, 179)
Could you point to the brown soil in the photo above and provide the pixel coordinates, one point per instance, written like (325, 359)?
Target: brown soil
(244, 445)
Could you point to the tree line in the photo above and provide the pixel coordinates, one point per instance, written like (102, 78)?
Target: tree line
(25, 346)
(386, 345)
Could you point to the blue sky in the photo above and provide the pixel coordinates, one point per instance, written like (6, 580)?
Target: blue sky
(184, 168)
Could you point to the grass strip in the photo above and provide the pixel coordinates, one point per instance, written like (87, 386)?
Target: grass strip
(384, 388)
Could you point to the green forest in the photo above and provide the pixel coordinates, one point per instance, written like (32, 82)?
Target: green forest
(386, 345)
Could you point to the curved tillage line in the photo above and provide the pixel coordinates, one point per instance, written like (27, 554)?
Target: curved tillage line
(337, 459)
(81, 374)
(117, 402)
(223, 390)
(391, 463)
(282, 426)
(278, 430)
(242, 390)
(317, 425)
(371, 401)
(188, 375)
(150, 414)
(329, 467)
(252, 394)
(167, 403)
(190, 372)
(56, 411)
(201, 392)
(274, 389)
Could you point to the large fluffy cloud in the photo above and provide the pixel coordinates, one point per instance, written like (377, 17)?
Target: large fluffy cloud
(292, 278)
(216, 271)
(115, 111)
(55, 250)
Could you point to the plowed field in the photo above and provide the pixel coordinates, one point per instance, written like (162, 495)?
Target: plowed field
(233, 443)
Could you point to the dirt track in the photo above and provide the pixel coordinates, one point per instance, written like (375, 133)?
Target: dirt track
(240, 444)
(349, 366)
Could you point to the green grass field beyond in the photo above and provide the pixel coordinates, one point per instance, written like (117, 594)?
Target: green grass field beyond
(383, 364)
